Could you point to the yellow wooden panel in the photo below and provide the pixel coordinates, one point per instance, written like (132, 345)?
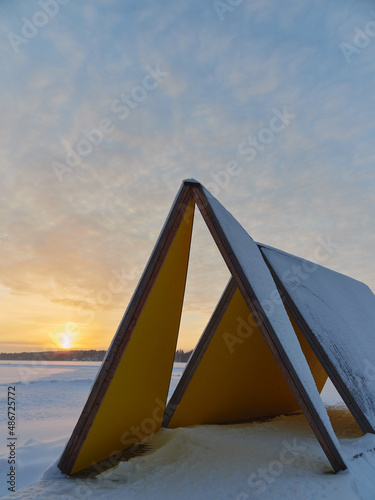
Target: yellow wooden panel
(238, 378)
(133, 405)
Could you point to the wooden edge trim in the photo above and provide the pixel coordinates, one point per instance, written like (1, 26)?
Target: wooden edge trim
(176, 216)
(199, 352)
(320, 353)
(268, 332)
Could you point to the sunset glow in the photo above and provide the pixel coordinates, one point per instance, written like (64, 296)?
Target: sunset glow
(108, 106)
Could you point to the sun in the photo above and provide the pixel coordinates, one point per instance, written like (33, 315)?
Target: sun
(65, 336)
(66, 341)
(63, 340)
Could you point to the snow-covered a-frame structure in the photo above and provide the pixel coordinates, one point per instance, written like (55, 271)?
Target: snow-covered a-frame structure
(272, 340)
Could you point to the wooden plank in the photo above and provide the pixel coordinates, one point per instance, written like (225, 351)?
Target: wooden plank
(268, 332)
(320, 353)
(125, 329)
(199, 352)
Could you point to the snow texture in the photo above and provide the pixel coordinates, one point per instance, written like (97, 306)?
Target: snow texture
(49, 398)
(340, 312)
(263, 285)
(273, 460)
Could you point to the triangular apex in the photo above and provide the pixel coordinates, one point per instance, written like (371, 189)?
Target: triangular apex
(252, 278)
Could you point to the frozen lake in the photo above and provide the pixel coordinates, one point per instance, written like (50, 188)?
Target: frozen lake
(49, 399)
(50, 389)
(58, 390)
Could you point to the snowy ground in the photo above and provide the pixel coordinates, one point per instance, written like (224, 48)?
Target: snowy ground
(278, 459)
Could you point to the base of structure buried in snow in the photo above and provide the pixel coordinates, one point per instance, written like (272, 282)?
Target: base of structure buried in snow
(279, 458)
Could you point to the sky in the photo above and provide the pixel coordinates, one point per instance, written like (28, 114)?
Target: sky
(107, 105)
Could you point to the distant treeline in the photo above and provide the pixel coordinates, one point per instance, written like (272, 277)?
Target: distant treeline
(72, 355)
(65, 355)
(182, 356)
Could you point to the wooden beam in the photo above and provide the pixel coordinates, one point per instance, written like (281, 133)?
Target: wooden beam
(285, 364)
(124, 332)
